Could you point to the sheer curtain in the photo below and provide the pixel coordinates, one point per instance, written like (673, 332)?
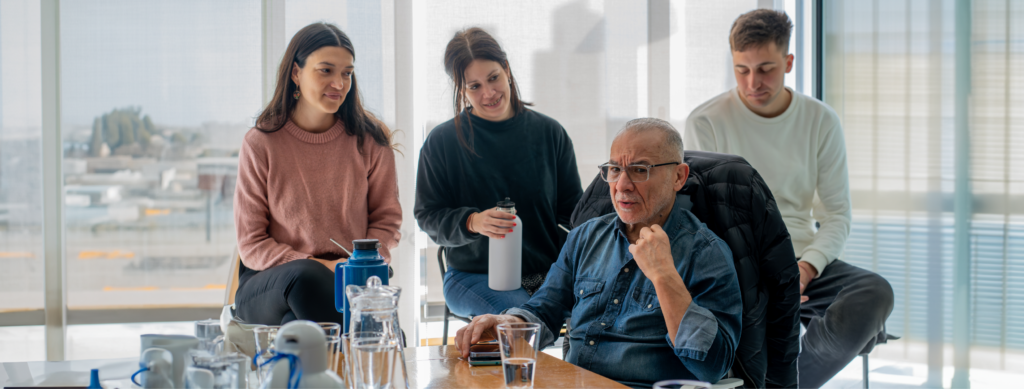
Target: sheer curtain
(21, 213)
(889, 73)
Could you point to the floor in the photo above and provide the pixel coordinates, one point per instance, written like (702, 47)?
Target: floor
(888, 370)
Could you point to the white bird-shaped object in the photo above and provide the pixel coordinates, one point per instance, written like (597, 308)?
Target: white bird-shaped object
(301, 342)
(158, 365)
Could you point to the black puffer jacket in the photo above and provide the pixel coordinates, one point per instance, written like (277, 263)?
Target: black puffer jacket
(733, 200)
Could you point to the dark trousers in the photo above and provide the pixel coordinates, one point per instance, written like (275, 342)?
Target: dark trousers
(301, 289)
(845, 314)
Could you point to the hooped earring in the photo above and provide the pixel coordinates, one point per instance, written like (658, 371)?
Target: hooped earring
(297, 93)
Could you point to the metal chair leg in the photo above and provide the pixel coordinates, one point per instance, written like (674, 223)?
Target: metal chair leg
(444, 333)
(864, 358)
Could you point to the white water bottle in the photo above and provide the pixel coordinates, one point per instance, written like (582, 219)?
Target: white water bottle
(505, 256)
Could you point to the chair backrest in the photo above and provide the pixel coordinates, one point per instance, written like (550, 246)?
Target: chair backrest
(231, 287)
(441, 262)
(731, 198)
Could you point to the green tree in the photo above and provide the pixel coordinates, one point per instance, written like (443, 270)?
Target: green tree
(142, 130)
(111, 130)
(96, 143)
(127, 129)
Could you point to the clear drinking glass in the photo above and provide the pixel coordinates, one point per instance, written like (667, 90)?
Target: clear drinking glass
(346, 361)
(372, 359)
(264, 345)
(333, 352)
(519, 344)
(211, 337)
(216, 371)
(681, 384)
(330, 329)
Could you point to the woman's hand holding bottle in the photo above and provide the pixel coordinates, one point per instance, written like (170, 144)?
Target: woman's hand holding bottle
(491, 223)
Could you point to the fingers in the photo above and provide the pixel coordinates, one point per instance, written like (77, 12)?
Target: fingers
(484, 326)
(459, 344)
(463, 336)
(493, 223)
(495, 213)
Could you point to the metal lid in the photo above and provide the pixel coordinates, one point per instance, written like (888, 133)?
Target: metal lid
(507, 203)
(366, 244)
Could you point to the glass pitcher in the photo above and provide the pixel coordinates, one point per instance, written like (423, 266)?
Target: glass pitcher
(375, 335)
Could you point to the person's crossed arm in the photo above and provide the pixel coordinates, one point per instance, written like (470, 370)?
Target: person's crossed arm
(703, 313)
(653, 254)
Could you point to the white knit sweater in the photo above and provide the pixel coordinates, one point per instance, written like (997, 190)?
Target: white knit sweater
(801, 154)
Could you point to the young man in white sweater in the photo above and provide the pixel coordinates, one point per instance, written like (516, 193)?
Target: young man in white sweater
(796, 143)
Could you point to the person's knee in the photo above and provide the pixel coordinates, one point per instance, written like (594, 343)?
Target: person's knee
(866, 304)
(879, 293)
(307, 272)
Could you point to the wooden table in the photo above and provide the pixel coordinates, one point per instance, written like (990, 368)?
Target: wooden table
(443, 367)
(429, 367)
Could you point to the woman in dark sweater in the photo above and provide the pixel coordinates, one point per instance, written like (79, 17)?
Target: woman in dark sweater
(494, 148)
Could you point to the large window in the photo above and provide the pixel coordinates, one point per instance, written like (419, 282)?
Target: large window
(155, 100)
(890, 70)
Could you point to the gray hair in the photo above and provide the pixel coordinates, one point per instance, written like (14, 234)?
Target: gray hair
(671, 136)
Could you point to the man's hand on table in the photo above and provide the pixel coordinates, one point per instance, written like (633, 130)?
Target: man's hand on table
(481, 329)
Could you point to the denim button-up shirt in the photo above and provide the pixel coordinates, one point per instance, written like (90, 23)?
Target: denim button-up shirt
(617, 325)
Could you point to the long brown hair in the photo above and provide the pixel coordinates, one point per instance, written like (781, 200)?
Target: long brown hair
(466, 46)
(358, 122)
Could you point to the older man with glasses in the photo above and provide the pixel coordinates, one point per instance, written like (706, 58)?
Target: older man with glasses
(651, 292)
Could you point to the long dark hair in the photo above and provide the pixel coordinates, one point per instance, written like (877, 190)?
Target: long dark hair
(467, 45)
(358, 122)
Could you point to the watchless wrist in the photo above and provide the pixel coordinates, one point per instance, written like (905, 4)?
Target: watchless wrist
(469, 223)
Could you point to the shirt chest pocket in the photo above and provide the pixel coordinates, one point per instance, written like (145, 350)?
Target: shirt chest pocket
(588, 297)
(645, 299)
(587, 287)
(643, 316)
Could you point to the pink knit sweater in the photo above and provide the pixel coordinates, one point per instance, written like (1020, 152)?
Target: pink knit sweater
(297, 189)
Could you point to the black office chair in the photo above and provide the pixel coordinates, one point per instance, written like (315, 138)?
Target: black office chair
(447, 312)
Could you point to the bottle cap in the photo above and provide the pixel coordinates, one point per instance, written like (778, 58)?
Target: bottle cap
(507, 203)
(94, 379)
(366, 244)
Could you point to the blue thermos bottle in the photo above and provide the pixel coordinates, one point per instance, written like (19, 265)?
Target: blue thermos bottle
(365, 262)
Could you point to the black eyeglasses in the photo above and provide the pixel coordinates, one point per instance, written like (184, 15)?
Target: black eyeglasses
(637, 173)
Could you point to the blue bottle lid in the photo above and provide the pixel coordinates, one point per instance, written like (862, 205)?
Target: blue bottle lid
(94, 379)
(366, 244)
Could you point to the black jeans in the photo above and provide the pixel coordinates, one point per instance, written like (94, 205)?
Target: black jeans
(845, 313)
(301, 289)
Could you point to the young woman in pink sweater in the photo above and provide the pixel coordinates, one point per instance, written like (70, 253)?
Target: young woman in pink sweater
(316, 166)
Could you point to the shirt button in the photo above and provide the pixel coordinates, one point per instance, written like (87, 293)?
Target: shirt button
(626, 270)
(616, 301)
(591, 342)
(581, 291)
(602, 324)
(648, 305)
